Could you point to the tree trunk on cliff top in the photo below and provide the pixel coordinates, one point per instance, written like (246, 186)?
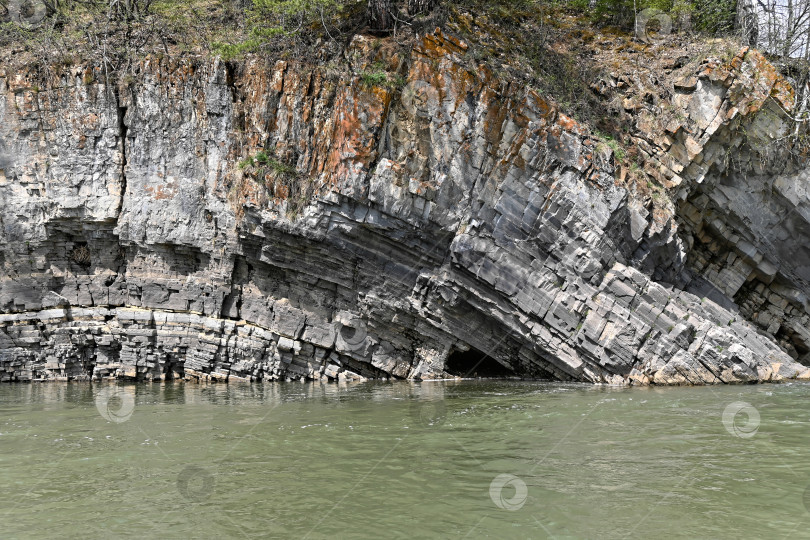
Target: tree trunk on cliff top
(380, 16)
(421, 6)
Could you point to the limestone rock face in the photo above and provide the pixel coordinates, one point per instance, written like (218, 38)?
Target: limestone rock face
(452, 225)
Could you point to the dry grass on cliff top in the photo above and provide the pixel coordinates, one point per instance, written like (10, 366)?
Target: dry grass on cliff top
(553, 47)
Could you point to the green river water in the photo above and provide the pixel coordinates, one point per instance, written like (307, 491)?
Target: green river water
(470, 459)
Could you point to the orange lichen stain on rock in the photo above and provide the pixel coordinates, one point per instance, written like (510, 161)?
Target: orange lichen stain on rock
(313, 83)
(437, 45)
(253, 194)
(568, 124)
(459, 83)
(514, 158)
(162, 192)
(768, 83)
(281, 192)
(495, 116)
(358, 116)
(543, 107)
(382, 95)
(784, 93)
(88, 121)
(422, 71)
(436, 62)
(737, 62)
(18, 82)
(450, 42)
(88, 75)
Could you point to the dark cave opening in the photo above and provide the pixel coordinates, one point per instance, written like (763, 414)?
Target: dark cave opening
(474, 363)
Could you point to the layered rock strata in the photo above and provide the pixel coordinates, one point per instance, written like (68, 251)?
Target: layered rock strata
(446, 223)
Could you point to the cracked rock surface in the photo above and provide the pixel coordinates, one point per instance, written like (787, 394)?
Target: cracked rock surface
(458, 225)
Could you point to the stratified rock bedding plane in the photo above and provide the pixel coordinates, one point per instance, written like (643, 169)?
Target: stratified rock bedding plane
(252, 221)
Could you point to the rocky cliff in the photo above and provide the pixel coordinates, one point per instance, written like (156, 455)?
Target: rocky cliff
(270, 221)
